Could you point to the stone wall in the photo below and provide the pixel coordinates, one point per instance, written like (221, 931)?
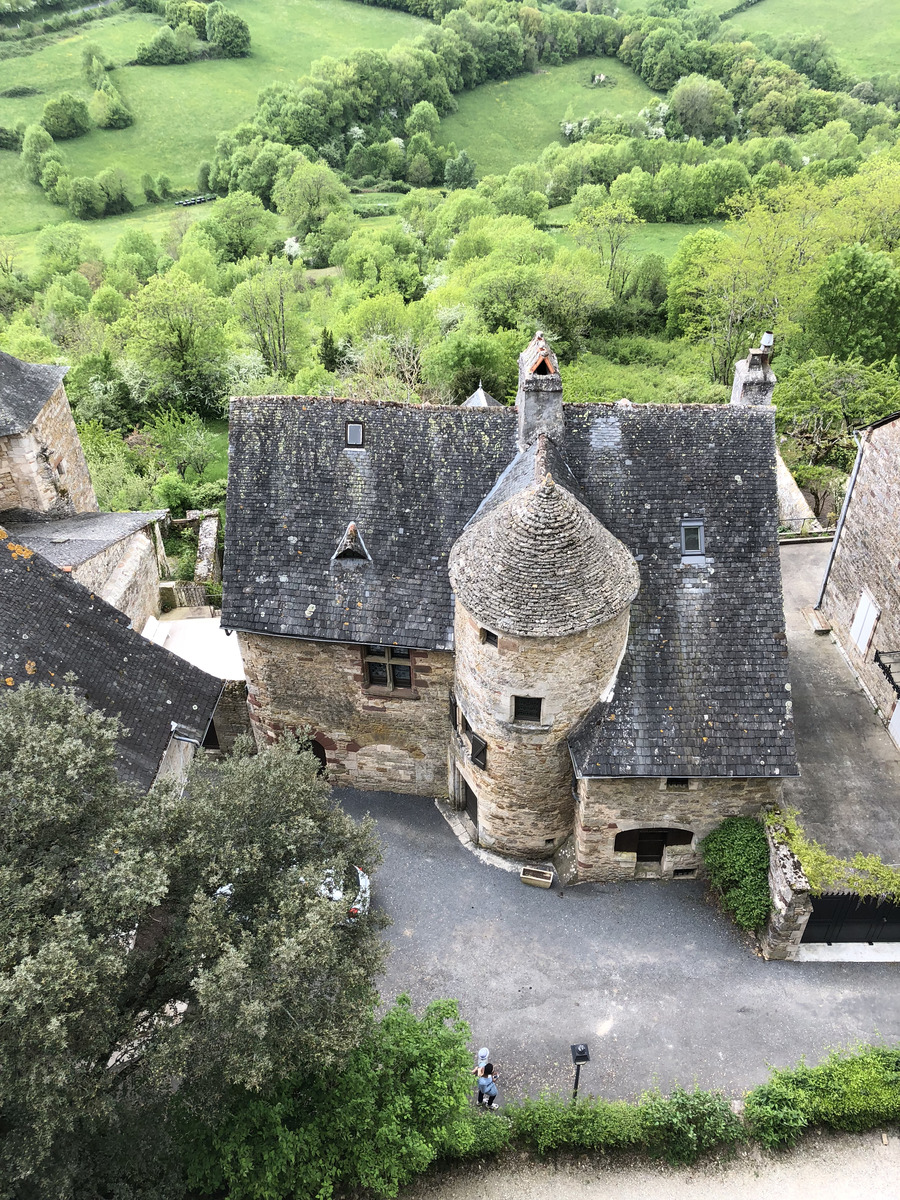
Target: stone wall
(792, 905)
(866, 556)
(371, 739)
(44, 468)
(525, 803)
(606, 807)
(232, 715)
(126, 576)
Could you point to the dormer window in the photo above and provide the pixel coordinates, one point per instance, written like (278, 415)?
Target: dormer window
(354, 434)
(693, 543)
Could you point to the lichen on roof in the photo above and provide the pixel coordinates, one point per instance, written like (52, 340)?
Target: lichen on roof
(542, 565)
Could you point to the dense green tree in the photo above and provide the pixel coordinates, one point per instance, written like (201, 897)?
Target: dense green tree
(66, 116)
(855, 310)
(605, 230)
(823, 400)
(423, 118)
(176, 936)
(246, 226)
(308, 195)
(37, 144)
(267, 306)
(703, 108)
(175, 328)
(459, 172)
(397, 1102)
(116, 188)
(230, 33)
(85, 198)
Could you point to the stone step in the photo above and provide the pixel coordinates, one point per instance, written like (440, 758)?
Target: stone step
(816, 621)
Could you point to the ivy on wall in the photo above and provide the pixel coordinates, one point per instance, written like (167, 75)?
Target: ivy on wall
(864, 874)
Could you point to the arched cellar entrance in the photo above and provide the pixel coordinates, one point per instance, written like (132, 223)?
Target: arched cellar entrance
(649, 847)
(319, 752)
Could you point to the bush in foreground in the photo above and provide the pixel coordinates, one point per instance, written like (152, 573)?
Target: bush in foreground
(852, 1091)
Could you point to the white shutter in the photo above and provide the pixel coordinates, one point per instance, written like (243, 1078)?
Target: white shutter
(894, 727)
(867, 614)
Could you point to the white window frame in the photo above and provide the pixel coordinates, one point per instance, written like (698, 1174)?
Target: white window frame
(864, 621)
(894, 724)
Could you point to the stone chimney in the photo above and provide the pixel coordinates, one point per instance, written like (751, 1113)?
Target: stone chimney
(539, 397)
(754, 379)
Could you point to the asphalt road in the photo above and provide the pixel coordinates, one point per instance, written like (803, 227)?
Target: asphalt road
(660, 986)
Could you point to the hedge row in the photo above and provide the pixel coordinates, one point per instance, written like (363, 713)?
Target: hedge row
(851, 1091)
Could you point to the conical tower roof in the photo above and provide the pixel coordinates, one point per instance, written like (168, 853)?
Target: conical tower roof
(542, 565)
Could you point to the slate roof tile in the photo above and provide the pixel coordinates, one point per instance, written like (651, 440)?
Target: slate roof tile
(706, 658)
(24, 390)
(51, 626)
(68, 541)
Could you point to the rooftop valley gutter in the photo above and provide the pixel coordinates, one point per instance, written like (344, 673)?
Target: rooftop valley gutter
(860, 443)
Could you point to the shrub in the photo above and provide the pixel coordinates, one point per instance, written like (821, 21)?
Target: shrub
(66, 116)
(737, 859)
(480, 1134)
(554, 1123)
(852, 1091)
(684, 1125)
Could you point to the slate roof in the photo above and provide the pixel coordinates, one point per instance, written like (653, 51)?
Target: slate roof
(50, 626)
(541, 565)
(24, 390)
(702, 689)
(481, 399)
(68, 541)
(294, 487)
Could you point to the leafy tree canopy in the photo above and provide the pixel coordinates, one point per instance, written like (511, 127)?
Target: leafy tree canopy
(152, 940)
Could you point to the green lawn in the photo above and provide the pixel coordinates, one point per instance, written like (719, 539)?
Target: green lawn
(501, 124)
(865, 34)
(180, 111)
(661, 239)
(218, 468)
(155, 219)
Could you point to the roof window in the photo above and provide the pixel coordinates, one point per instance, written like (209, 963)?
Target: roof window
(693, 542)
(354, 434)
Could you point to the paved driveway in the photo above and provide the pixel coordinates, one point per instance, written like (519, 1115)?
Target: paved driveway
(659, 985)
(849, 788)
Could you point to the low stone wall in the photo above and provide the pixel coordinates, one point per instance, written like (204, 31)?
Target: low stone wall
(792, 904)
(208, 569)
(175, 594)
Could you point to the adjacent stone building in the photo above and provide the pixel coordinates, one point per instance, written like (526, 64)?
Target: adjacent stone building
(565, 618)
(53, 628)
(861, 590)
(42, 465)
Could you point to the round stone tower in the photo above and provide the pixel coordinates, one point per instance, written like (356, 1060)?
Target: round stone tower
(543, 593)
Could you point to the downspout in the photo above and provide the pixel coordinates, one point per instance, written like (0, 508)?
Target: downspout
(860, 442)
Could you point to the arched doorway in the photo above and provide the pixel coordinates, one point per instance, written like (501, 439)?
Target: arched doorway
(649, 844)
(319, 752)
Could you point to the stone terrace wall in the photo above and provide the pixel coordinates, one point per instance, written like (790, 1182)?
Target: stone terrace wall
(125, 575)
(791, 902)
(606, 807)
(867, 555)
(371, 740)
(58, 436)
(232, 716)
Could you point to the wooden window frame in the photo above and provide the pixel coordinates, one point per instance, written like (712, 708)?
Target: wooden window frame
(478, 751)
(390, 657)
(491, 638)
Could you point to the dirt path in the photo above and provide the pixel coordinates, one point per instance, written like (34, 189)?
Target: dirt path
(840, 1167)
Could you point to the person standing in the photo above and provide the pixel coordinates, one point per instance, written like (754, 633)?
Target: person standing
(487, 1087)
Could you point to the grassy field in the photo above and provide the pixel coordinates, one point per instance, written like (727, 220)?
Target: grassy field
(865, 34)
(180, 111)
(501, 124)
(661, 239)
(155, 219)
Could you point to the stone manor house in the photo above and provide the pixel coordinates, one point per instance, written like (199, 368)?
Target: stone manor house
(567, 619)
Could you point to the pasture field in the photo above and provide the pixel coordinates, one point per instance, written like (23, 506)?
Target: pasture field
(180, 111)
(505, 123)
(663, 238)
(864, 34)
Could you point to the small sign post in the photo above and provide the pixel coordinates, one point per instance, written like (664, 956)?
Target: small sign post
(580, 1054)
